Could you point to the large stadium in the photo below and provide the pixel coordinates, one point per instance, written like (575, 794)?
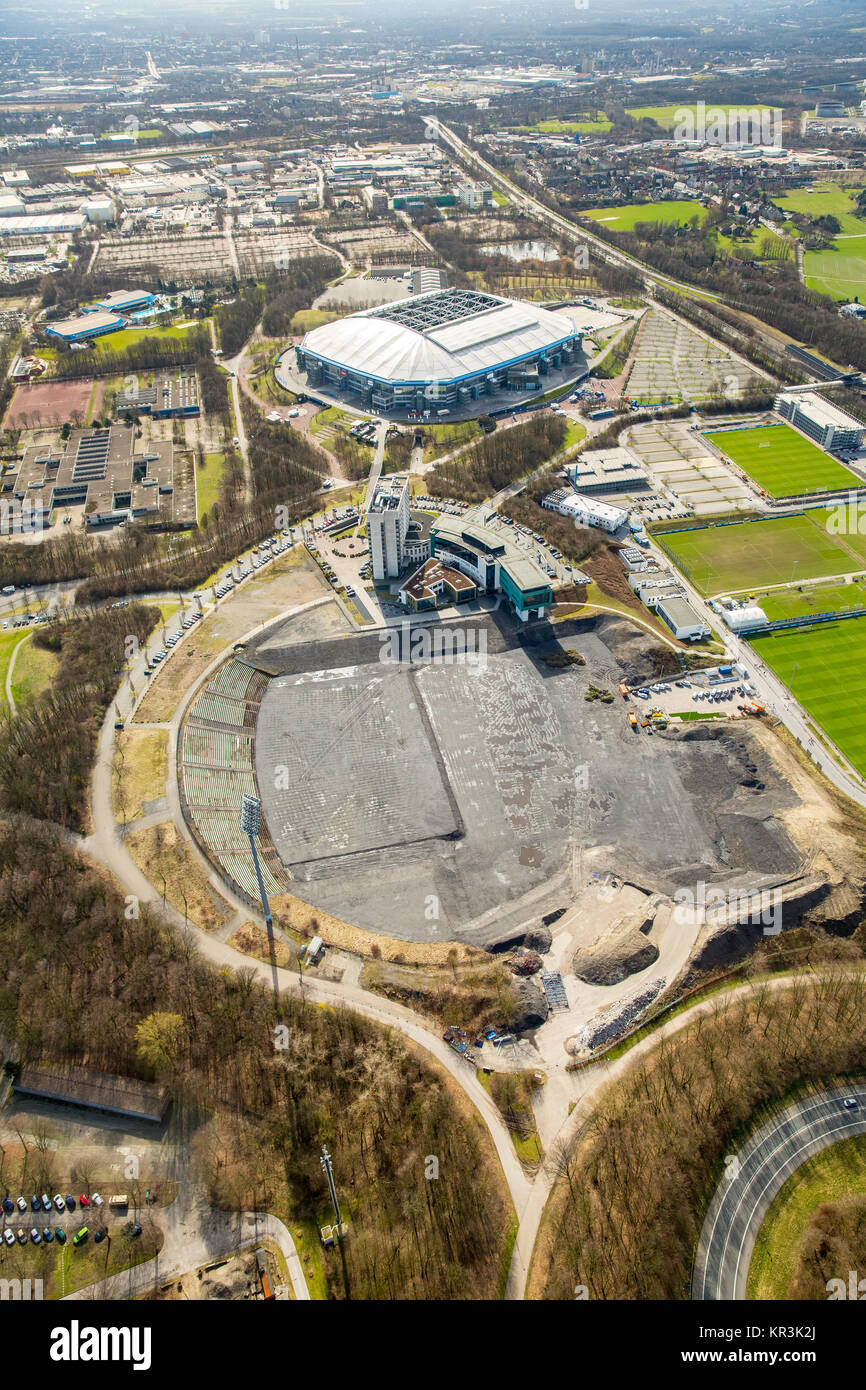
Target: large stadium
(448, 352)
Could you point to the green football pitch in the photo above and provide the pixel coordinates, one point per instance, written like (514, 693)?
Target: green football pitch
(752, 555)
(805, 600)
(823, 668)
(782, 461)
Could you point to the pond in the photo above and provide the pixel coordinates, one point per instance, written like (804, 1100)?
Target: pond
(523, 250)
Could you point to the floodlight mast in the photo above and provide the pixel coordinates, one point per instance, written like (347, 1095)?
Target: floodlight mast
(327, 1168)
(251, 820)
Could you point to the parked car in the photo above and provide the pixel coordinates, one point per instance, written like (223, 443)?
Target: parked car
(136, 1231)
(35, 1236)
(48, 1235)
(70, 1201)
(7, 1205)
(22, 1237)
(9, 1236)
(81, 1236)
(35, 1204)
(59, 1202)
(46, 1202)
(99, 1235)
(96, 1200)
(61, 1235)
(21, 1204)
(84, 1201)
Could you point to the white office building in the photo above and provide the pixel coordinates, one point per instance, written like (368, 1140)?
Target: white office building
(829, 426)
(585, 511)
(388, 525)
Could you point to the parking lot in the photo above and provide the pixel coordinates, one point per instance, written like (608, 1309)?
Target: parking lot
(690, 475)
(674, 363)
(65, 1217)
(701, 693)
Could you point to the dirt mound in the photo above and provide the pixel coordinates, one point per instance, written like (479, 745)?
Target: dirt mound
(614, 958)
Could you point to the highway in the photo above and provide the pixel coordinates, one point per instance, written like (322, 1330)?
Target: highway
(755, 1174)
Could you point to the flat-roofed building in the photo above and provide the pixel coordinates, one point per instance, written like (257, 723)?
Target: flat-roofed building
(109, 472)
(84, 326)
(822, 421)
(495, 563)
(123, 301)
(681, 618)
(388, 526)
(585, 511)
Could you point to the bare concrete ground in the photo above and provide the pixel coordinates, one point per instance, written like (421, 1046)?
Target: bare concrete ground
(538, 779)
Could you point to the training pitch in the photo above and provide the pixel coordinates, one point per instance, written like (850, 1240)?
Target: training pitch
(749, 555)
(822, 667)
(782, 461)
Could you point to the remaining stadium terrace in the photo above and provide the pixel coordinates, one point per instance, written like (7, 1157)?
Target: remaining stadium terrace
(741, 557)
(781, 461)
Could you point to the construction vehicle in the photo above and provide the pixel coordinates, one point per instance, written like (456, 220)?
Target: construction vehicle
(632, 719)
(623, 692)
(644, 723)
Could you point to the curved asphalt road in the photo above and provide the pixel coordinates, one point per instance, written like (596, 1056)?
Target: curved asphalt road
(765, 1163)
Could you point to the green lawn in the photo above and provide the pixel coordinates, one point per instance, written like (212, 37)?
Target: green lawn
(624, 219)
(569, 126)
(574, 433)
(306, 319)
(668, 117)
(125, 337)
(826, 198)
(751, 555)
(823, 667)
(782, 461)
(758, 245)
(207, 482)
(801, 600)
(840, 270)
(34, 669)
(829, 1175)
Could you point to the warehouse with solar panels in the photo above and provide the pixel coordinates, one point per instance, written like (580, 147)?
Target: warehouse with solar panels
(433, 352)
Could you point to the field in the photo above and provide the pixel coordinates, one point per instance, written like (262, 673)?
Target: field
(568, 126)
(750, 555)
(669, 116)
(127, 337)
(52, 403)
(816, 598)
(207, 481)
(840, 270)
(758, 245)
(822, 666)
(624, 219)
(782, 461)
(840, 274)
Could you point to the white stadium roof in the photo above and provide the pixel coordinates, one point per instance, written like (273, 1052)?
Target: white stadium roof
(440, 336)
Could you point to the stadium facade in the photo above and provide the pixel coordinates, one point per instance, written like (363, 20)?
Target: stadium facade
(432, 352)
